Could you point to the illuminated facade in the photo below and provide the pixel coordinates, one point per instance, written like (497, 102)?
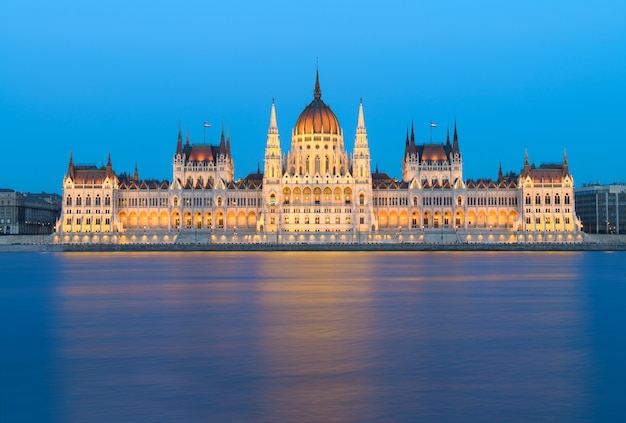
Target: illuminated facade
(318, 193)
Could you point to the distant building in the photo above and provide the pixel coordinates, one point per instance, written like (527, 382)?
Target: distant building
(318, 191)
(602, 208)
(28, 214)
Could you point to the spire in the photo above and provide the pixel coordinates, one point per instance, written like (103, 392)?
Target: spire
(317, 92)
(179, 143)
(500, 173)
(109, 168)
(361, 119)
(455, 141)
(70, 167)
(273, 129)
(222, 142)
(406, 142)
(448, 137)
(136, 174)
(228, 145)
(526, 163)
(565, 164)
(187, 138)
(360, 126)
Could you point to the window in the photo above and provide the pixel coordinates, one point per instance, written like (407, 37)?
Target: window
(79, 201)
(566, 198)
(68, 201)
(537, 199)
(107, 201)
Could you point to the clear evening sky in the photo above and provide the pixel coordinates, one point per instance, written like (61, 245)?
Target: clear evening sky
(119, 76)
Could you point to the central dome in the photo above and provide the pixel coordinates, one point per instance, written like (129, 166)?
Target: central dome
(317, 118)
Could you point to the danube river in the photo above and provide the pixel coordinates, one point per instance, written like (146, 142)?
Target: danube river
(313, 337)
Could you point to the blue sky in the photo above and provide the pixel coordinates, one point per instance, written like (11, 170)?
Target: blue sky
(119, 77)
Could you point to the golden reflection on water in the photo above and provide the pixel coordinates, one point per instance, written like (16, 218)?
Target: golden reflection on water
(318, 336)
(315, 316)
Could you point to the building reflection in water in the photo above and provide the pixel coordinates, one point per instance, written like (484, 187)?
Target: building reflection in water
(316, 340)
(324, 336)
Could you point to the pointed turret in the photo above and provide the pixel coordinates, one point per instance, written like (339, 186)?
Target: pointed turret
(360, 126)
(70, 167)
(179, 143)
(361, 154)
(109, 167)
(406, 144)
(455, 141)
(448, 137)
(565, 164)
(317, 92)
(273, 129)
(228, 145)
(500, 177)
(187, 138)
(526, 169)
(222, 142)
(136, 174)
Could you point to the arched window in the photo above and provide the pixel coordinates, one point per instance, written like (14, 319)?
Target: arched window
(97, 200)
(566, 198)
(68, 200)
(537, 199)
(361, 199)
(79, 202)
(317, 165)
(459, 201)
(415, 201)
(107, 200)
(528, 200)
(88, 201)
(272, 200)
(557, 199)
(548, 199)
(175, 201)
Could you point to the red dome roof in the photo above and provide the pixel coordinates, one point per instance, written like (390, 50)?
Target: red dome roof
(317, 118)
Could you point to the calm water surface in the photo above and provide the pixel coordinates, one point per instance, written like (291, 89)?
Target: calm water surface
(312, 336)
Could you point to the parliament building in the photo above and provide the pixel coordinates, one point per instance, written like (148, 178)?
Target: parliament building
(318, 192)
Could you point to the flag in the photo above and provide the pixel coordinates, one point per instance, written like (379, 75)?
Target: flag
(207, 125)
(433, 124)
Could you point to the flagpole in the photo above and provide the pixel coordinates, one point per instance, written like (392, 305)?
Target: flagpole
(432, 125)
(204, 130)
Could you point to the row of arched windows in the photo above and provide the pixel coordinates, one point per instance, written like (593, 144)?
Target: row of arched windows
(547, 199)
(79, 200)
